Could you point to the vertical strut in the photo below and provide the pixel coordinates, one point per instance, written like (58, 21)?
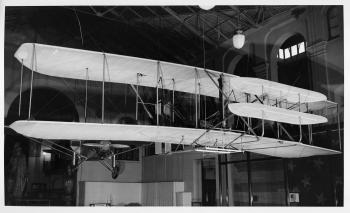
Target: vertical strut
(299, 101)
(31, 81)
(223, 104)
(74, 158)
(248, 118)
(196, 97)
(310, 134)
(205, 112)
(20, 90)
(86, 93)
(173, 104)
(300, 130)
(103, 87)
(157, 95)
(262, 93)
(263, 123)
(281, 100)
(113, 161)
(199, 100)
(221, 100)
(137, 95)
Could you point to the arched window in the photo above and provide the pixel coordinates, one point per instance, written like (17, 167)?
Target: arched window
(293, 63)
(334, 22)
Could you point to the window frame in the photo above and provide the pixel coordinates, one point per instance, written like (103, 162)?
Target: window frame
(334, 29)
(289, 50)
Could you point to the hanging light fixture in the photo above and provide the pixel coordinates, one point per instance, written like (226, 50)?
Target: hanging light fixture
(238, 38)
(206, 7)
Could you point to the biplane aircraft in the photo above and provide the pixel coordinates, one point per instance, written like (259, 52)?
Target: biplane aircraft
(246, 98)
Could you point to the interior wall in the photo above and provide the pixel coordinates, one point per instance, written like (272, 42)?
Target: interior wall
(93, 171)
(161, 193)
(118, 194)
(312, 24)
(182, 167)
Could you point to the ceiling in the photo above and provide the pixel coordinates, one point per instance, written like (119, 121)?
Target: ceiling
(218, 23)
(174, 33)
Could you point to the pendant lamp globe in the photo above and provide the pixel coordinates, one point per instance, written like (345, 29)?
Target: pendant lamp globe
(238, 39)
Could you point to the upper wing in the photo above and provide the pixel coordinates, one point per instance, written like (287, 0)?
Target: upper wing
(82, 64)
(97, 66)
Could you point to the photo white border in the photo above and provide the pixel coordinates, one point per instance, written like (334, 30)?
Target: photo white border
(4, 3)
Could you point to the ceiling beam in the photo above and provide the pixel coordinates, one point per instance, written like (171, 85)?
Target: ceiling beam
(211, 27)
(258, 15)
(167, 40)
(94, 10)
(230, 18)
(191, 13)
(166, 19)
(151, 40)
(136, 13)
(107, 11)
(188, 26)
(219, 24)
(92, 13)
(244, 16)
